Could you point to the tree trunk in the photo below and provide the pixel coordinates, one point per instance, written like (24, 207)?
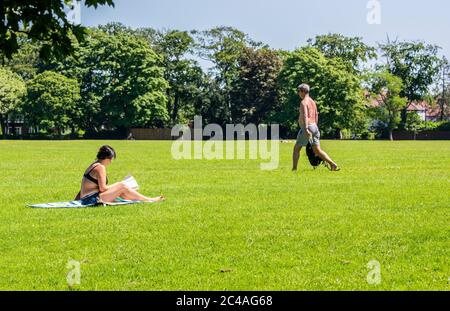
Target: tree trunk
(175, 109)
(404, 115)
(13, 124)
(339, 134)
(3, 125)
(6, 125)
(391, 135)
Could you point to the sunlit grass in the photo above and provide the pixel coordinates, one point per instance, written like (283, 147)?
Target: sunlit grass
(227, 224)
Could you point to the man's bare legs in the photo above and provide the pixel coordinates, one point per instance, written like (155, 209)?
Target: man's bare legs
(324, 156)
(296, 157)
(120, 190)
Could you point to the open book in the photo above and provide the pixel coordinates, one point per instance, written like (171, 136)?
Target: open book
(131, 182)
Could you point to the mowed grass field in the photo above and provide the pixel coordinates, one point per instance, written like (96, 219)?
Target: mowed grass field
(227, 225)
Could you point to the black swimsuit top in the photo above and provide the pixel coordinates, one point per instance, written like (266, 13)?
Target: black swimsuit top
(92, 179)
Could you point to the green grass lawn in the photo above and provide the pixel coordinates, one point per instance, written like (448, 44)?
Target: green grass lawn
(227, 225)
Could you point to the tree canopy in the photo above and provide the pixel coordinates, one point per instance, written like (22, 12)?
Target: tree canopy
(158, 78)
(255, 95)
(337, 92)
(386, 89)
(416, 63)
(51, 102)
(12, 89)
(44, 21)
(351, 50)
(122, 82)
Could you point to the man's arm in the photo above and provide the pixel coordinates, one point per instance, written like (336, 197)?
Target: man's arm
(304, 115)
(300, 115)
(304, 118)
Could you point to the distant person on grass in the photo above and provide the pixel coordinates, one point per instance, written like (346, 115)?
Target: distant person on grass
(309, 131)
(94, 186)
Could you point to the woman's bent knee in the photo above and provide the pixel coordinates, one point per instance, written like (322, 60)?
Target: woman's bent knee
(121, 185)
(126, 188)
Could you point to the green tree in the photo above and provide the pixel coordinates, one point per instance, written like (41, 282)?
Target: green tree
(413, 123)
(183, 75)
(51, 102)
(417, 64)
(26, 62)
(254, 94)
(351, 50)
(444, 103)
(443, 90)
(44, 21)
(337, 91)
(122, 82)
(152, 36)
(386, 88)
(222, 46)
(210, 104)
(12, 89)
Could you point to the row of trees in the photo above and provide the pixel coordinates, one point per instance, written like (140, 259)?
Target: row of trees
(118, 78)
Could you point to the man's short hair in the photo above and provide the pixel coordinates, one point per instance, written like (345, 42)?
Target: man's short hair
(304, 88)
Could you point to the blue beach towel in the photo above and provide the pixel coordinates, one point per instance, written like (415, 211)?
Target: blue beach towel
(78, 204)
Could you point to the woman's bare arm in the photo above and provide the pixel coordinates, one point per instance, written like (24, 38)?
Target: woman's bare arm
(101, 173)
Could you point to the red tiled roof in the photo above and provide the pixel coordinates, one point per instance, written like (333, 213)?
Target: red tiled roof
(415, 106)
(422, 106)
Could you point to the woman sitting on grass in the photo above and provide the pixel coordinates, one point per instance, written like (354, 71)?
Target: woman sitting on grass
(94, 186)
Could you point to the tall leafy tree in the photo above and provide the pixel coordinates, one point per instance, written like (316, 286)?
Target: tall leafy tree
(25, 62)
(255, 94)
(222, 46)
(351, 50)
(444, 103)
(210, 104)
(152, 36)
(12, 89)
(44, 21)
(51, 102)
(122, 82)
(417, 64)
(443, 90)
(386, 88)
(184, 75)
(413, 123)
(337, 91)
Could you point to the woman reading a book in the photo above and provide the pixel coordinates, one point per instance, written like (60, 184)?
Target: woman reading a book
(94, 186)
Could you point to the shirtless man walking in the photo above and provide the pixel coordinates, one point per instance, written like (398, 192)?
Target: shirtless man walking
(309, 132)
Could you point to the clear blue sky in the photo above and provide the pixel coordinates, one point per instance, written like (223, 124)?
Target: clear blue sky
(287, 24)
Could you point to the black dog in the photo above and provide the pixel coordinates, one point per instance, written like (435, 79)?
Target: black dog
(313, 159)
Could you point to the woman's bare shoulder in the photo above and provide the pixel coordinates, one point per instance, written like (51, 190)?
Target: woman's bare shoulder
(99, 168)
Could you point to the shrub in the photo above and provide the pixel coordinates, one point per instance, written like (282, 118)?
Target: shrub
(444, 126)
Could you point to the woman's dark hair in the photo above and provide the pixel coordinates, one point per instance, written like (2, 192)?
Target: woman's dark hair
(106, 152)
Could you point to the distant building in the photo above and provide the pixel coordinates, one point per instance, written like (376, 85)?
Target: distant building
(426, 111)
(17, 127)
